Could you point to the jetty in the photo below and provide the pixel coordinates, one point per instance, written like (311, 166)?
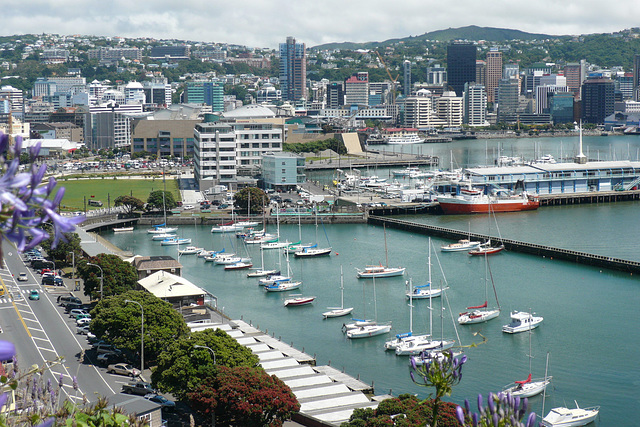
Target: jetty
(512, 245)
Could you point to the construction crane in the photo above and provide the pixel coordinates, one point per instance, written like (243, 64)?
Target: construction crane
(393, 81)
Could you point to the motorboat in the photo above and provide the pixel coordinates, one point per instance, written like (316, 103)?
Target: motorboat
(123, 230)
(565, 417)
(460, 245)
(230, 260)
(312, 252)
(408, 138)
(379, 271)
(161, 230)
(486, 249)
(272, 278)
(190, 250)
(298, 300)
(226, 228)
(262, 273)
(522, 321)
(174, 241)
(274, 245)
(239, 265)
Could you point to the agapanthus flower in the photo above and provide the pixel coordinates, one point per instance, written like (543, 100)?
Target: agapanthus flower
(26, 202)
(500, 410)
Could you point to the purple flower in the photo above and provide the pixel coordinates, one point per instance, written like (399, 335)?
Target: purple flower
(3, 399)
(48, 423)
(460, 414)
(531, 420)
(7, 350)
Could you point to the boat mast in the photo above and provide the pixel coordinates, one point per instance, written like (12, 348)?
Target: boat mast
(410, 305)
(341, 289)
(430, 299)
(386, 254)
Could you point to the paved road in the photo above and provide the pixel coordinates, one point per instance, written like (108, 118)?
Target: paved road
(43, 332)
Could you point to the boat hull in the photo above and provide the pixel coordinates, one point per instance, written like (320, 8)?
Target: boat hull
(296, 302)
(414, 349)
(459, 206)
(486, 250)
(368, 331)
(337, 312)
(529, 389)
(477, 316)
(309, 253)
(386, 272)
(564, 417)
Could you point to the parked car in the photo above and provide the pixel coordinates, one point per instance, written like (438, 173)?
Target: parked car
(83, 321)
(65, 300)
(187, 207)
(107, 348)
(123, 369)
(140, 388)
(82, 330)
(74, 312)
(34, 295)
(167, 404)
(72, 306)
(105, 359)
(22, 277)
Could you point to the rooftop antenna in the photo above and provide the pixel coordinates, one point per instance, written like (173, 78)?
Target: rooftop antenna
(581, 159)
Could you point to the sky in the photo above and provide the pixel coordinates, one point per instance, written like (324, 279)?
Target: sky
(265, 23)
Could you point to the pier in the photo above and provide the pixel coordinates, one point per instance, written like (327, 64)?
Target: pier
(588, 197)
(512, 245)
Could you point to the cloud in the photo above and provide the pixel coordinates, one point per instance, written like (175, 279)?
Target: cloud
(262, 23)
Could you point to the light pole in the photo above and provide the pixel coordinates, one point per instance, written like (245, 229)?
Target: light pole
(141, 333)
(73, 265)
(208, 348)
(101, 277)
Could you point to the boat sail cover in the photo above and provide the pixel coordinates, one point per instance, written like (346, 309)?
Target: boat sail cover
(478, 306)
(525, 381)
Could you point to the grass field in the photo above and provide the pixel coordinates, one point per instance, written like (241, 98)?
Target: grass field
(103, 189)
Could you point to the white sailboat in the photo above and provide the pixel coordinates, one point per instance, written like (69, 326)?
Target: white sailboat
(373, 330)
(314, 251)
(425, 291)
(286, 284)
(481, 313)
(261, 272)
(529, 387)
(162, 228)
(373, 271)
(338, 311)
(406, 336)
(275, 243)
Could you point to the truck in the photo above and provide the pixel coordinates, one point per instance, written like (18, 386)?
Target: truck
(139, 388)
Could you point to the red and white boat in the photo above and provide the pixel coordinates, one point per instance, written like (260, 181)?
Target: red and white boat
(298, 300)
(473, 200)
(486, 249)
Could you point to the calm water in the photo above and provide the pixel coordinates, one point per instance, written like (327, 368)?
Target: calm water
(591, 315)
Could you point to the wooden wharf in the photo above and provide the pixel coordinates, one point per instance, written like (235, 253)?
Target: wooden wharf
(512, 245)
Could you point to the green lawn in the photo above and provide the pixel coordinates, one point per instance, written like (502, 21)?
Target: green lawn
(102, 189)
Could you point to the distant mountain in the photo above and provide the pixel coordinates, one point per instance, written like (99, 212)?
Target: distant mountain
(471, 32)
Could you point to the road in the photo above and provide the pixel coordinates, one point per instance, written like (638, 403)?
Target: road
(42, 333)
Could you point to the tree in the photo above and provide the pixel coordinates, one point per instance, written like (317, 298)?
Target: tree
(118, 322)
(244, 396)
(119, 276)
(60, 254)
(156, 201)
(182, 367)
(130, 203)
(259, 199)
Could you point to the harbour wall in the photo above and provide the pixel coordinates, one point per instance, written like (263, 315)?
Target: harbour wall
(512, 245)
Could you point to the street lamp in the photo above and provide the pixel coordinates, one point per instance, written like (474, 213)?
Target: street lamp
(141, 333)
(101, 277)
(208, 348)
(73, 265)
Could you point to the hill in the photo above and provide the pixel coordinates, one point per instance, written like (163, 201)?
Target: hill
(471, 32)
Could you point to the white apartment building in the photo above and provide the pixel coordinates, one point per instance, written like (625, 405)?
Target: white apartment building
(234, 146)
(475, 105)
(450, 108)
(419, 111)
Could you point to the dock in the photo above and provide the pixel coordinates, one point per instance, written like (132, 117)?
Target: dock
(512, 245)
(326, 395)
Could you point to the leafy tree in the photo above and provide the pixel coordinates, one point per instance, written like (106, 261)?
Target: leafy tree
(334, 144)
(182, 367)
(253, 195)
(119, 276)
(244, 396)
(60, 254)
(118, 322)
(130, 203)
(156, 202)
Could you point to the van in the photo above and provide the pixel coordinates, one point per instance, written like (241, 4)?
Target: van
(97, 203)
(40, 263)
(68, 299)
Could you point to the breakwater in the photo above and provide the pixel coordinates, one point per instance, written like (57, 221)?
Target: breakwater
(513, 245)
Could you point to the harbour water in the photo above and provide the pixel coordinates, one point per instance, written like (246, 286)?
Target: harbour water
(590, 315)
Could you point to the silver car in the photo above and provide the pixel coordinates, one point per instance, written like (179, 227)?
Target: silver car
(123, 369)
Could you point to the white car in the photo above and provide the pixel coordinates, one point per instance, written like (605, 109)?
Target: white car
(83, 330)
(22, 277)
(84, 321)
(187, 207)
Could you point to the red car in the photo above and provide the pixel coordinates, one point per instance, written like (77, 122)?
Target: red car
(45, 270)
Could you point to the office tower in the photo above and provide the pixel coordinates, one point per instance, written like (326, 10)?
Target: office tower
(209, 93)
(356, 89)
(494, 73)
(597, 99)
(636, 76)
(625, 85)
(335, 95)
(293, 70)
(406, 86)
(573, 74)
(561, 107)
(481, 72)
(461, 65)
(508, 100)
(475, 105)
(436, 75)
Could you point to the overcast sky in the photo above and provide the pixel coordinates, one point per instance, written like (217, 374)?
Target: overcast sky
(265, 23)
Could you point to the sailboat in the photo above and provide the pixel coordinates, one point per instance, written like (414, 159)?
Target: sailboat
(338, 311)
(314, 251)
(461, 245)
(275, 243)
(529, 387)
(261, 272)
(286, 284)
(372, 330)
(297, 246)
(481, 313)
(406, 336)
(162, 228)
(487, 248)
(425, 291)
(378, 271)
(247, 222)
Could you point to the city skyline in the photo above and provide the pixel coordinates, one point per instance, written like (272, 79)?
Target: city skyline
(264, 24)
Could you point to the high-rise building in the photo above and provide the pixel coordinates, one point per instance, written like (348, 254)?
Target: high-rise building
(450, 108)
(406, 85)
(461, 65)
(573, 74)
(419, 111)
(356, 89)
(209, 93)
(436, 75)
(636, 77)
(625, 85)
(508, 97)
(494, 73)
(293, 70)
(335, 95)
(475, 105)
(561, 107)
(481, 72)
(13, 96)
(598, 98)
